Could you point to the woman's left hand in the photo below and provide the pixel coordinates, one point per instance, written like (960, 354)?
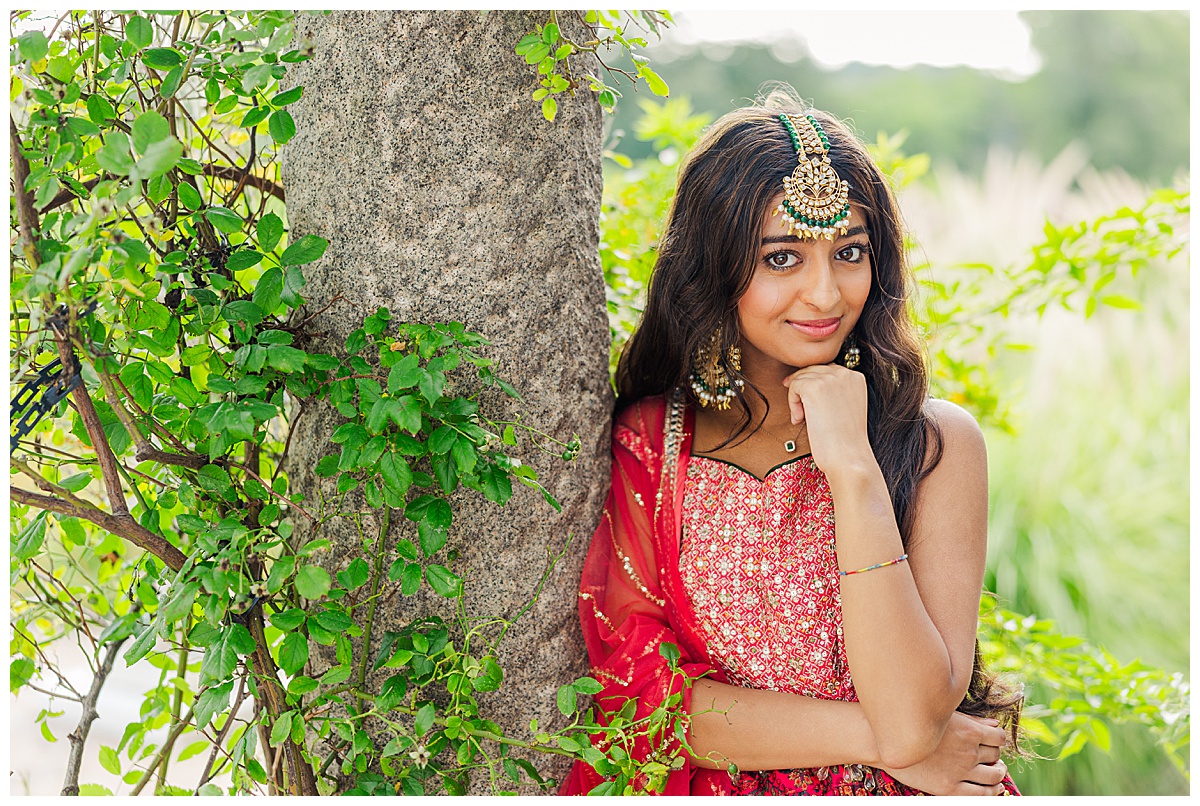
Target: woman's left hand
(832, 400)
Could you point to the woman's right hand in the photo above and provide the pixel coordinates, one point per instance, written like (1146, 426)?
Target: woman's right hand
(966, 761)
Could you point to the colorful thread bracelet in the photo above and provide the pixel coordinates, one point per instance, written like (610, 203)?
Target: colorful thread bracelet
(899, 559)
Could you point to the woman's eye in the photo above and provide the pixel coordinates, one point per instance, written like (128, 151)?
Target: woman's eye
(781, 260)
(853, 253)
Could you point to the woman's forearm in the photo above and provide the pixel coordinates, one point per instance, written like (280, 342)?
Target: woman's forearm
(757, 729)
(903, 670)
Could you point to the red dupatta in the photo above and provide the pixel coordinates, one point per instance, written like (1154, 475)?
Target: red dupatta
(631, 597)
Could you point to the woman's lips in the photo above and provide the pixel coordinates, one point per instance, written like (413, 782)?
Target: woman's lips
(816, 328)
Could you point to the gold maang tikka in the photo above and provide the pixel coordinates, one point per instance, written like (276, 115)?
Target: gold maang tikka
(816, 201)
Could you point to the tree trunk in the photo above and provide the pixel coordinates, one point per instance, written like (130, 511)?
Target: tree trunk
(446, 196)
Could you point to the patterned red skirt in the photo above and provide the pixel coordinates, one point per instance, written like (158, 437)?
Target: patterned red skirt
(840, 779)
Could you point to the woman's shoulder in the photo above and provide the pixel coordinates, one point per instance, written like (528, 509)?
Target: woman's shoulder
(961, 436)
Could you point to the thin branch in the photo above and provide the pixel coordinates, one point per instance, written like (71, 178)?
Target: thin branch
(95, 430)
(27, 217)
(255, 181)
(123, 525)
(78, 737)
(216, 745)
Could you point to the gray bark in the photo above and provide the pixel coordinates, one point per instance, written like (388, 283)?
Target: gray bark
(447, 197)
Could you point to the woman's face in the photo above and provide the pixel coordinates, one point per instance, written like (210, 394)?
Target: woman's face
(805, 296)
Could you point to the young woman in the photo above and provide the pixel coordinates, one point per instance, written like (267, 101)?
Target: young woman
(788, 507)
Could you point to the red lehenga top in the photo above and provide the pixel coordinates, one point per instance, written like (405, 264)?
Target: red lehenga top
(739, 573)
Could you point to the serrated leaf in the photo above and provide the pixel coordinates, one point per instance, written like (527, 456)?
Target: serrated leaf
(162, 58)
(566, 700)
(270, 230)
(293, 653)
(161, 157)
(109, 760)
(268, 290)
(424, 719)
(150, 127)
(305, 250)
(355, 575)
(444, 581)
(312, 582)
(282, 728)
(281, 126)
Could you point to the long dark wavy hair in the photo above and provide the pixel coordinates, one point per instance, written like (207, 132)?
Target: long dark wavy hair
(706, 260)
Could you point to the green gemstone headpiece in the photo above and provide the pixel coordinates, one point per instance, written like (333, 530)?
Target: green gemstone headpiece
(816, 201)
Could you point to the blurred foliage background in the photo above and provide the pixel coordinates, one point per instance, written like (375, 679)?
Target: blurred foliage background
(1085, 405)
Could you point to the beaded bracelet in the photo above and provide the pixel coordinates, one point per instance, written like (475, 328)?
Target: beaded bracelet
(899, 559)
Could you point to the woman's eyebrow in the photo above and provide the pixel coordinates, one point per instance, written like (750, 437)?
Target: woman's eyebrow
(858, 230)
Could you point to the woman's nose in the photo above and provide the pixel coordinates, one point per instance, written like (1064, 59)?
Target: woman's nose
(818, 288)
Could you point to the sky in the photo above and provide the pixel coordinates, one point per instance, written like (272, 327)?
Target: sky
(993, 40)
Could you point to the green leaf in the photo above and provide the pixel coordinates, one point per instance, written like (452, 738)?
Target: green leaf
(312, 582)
(29, 541)
(550, 34)
(94, 790)
(656, 84)
(257, 76)
(244, 259)
(445, 582)
(302, 685)
(162, 58)
(355, 575)
(549, 108)
(214, 479)
(170, 83)
(396, 473)
(293, 653)
(566, 700)
(285, 358)
(189, 197)
(333, 620)
(587, 685)
(424, 719)
(33, 46)
(139, 31)
(220, 659)
(76, 481)
(225, 220)
(161, 157)
(141, 645)
(1121, 301)
(270, 230)
(287, 96)
(491, 678)
(100, 110)
(109, 760)
(337, 674)
(211, 702)
(281, 126)
(255, 116)
(114, 156)
(405, 374)
(288, 620)
(442, 440)
(431, 537)
(410, 579)
(305, 250)
(267, 293)
(149, 128)
(282, 728)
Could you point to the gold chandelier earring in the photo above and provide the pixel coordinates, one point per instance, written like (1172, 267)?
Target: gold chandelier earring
(850, 354)
(711, 384)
